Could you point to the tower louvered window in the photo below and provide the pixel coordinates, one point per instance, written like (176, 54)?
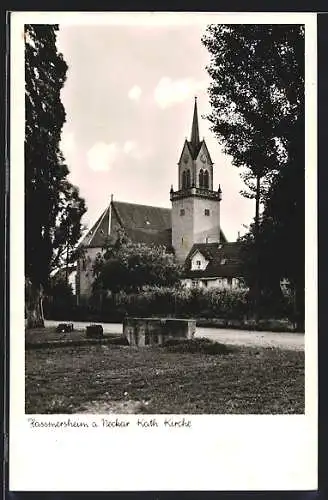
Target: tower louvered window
(186, 181)
(201, 178)
(206, 180)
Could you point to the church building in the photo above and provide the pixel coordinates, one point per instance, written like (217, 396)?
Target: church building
(191, 228)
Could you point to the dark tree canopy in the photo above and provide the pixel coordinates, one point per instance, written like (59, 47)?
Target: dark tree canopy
(130, 266)
(53, 207)
(257, 98)
(257, 94)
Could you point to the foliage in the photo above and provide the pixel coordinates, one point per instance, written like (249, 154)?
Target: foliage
(256, 94)
(130, 266)
(193, 302)
(59, 294)
(200, 345)
(257, 100)
(219, 307)
(53, 207)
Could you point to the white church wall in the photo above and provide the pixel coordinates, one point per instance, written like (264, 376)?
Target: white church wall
(86, 271)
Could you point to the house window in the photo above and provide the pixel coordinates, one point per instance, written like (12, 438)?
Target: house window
(207, 212)
(182, 211)
(198, 263)
(194, 283)
(84, 265)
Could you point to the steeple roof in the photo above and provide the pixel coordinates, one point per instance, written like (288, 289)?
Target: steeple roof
(195, 144)
(194, 140)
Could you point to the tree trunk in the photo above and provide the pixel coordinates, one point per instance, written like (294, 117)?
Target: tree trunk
(33, 307)
(257, 250)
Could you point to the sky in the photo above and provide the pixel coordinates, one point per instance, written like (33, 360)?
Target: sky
(129, 98)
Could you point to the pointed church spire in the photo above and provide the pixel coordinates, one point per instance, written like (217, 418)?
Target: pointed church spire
(194, 130)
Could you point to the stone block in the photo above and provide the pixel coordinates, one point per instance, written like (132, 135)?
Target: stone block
(64, 327)
(94, 331)
(156, 331)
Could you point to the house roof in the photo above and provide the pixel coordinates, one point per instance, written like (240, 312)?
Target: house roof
(141, 223)
(224, 260)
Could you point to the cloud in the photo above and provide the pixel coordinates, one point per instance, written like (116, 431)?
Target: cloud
(134, 93)
(132, 149)
(129, 146)
(169, 92)
(102, 156)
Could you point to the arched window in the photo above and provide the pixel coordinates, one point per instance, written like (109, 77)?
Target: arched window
(188, 179)
(201, 178)
(184, 179)
(206, 180)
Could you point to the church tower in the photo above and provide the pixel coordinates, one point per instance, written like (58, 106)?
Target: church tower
(195, 205)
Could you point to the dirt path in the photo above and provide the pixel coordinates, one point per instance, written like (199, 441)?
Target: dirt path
(289, 341)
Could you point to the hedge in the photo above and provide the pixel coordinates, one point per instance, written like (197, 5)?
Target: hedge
(173, 302)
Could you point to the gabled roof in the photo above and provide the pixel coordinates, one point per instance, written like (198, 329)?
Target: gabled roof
(143, 217)
(203, 143)
(97, 235)
(141, 223)
(194, 150)
(224, 260)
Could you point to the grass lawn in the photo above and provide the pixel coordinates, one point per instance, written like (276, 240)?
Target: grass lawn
(118, 379)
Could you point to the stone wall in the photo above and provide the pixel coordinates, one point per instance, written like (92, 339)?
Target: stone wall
(155, 331)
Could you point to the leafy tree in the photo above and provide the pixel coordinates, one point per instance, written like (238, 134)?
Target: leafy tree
(257, 100)
(53, 207)
(130, 266)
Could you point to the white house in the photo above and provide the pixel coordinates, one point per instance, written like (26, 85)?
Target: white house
(214, 265)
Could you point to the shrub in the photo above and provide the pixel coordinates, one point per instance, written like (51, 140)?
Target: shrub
(213, 303)
(202, 345)
(184, 302)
